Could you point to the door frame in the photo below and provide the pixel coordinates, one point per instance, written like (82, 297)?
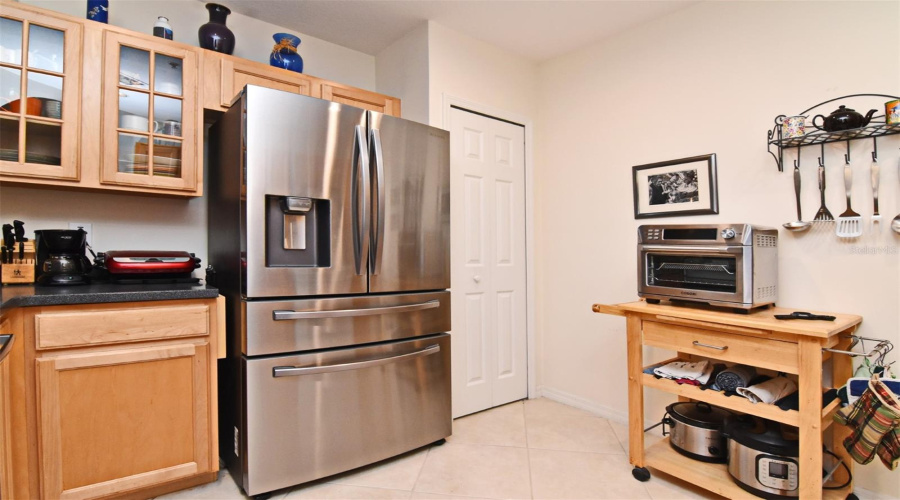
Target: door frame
(492, 112)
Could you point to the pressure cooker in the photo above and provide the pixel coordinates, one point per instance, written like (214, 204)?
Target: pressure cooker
(696, 430)
(763, 456)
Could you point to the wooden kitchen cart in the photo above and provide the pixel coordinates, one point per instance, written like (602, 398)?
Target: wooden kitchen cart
(756, 339)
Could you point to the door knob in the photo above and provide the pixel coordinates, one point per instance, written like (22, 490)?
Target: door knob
(476, 278)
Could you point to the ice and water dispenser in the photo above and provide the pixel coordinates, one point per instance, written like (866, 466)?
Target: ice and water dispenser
(298, 232)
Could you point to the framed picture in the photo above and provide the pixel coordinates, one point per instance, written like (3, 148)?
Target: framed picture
(677, 187)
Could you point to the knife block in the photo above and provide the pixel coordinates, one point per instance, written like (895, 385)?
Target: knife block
(21, 271)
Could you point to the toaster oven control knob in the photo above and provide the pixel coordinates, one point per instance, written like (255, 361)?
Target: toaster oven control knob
(728, 233)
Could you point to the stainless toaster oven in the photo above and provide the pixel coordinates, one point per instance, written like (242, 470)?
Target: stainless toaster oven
(732, 265)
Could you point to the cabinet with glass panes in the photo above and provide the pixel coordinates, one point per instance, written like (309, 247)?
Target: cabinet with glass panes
(149, 121)
(40, 80)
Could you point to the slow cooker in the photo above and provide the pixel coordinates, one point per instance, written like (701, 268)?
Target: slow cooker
(763, 456)
(696, 430)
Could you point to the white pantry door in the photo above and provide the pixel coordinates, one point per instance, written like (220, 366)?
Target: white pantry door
(487, 200)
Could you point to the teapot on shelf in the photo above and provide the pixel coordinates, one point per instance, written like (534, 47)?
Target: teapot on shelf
(843, 118)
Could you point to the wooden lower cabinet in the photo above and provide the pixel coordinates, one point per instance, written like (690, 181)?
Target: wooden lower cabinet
(118, 420)
(131, 411)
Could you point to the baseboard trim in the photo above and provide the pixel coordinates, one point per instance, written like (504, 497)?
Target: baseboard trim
(583, 404)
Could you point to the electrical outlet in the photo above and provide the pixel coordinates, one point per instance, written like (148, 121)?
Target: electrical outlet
(87, 228)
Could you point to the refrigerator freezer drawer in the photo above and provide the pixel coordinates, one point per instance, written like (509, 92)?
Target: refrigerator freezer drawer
(314, 415)
(279, 326)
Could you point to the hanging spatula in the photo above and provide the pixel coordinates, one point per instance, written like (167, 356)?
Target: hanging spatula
(849, 223)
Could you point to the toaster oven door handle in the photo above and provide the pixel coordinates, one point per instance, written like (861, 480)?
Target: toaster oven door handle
(345, 313)
(293, 371)
(729, 250)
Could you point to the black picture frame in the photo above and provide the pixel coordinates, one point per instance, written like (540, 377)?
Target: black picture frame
(676, 188)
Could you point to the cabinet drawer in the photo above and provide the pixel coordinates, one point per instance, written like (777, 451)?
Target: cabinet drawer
(112, 326)
(764, 353)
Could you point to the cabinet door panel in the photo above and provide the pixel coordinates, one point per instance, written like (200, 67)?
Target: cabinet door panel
(150, 129)
(236, 75)
(117, 420)
(361, 99)
(40, 79)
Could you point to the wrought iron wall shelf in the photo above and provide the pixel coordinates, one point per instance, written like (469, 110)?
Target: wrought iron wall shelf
(877, 128)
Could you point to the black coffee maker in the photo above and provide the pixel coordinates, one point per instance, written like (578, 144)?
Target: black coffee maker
(61, 258)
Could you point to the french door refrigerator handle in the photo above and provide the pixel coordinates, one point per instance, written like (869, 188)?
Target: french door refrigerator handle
(378, 227)
(360, 221)
(282, 315)
(293, 371)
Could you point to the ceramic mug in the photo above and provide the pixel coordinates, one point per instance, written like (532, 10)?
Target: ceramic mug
(892, 112)
(793, 126)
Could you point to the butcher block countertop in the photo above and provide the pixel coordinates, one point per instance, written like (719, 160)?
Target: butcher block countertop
(761, 319)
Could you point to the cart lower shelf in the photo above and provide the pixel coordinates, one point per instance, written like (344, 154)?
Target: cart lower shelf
(713, 477)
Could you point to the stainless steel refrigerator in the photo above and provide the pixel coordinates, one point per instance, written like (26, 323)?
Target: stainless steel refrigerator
(329, 235)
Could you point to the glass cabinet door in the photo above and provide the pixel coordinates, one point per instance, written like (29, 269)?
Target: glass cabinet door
(40, 77)
(150, 124)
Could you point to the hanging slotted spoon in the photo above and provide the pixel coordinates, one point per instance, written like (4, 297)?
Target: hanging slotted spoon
(849, 224)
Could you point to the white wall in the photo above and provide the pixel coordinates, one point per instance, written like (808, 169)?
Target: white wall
(709, 79)
(253, 38)
(402, 72)
(464, 67)
(127, 221)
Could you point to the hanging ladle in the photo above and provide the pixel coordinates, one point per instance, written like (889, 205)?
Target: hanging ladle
(799, 224)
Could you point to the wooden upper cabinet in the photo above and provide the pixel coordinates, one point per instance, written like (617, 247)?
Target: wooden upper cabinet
(236, 73)
(40, 80)
(361, 99)
(151, 132)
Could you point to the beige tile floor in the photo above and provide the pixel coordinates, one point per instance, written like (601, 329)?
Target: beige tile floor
(528, 449)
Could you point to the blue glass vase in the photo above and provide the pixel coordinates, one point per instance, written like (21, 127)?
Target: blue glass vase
(98, 10)
(284, 53)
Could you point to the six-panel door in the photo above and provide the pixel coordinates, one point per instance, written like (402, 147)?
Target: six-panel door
(40, 77)
(150, 121)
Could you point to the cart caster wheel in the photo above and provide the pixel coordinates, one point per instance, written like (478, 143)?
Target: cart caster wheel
(852, 497)
(439, 442)
(262, 496)
(642, 474)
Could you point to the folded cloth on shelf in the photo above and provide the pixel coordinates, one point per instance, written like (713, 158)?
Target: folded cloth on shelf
(736, 376)
(769, 391)
(698, 370)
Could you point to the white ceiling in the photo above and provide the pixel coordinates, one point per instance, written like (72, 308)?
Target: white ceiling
(536, 29)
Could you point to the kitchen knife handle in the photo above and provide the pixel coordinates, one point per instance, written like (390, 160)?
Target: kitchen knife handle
(20, 230)
(378, 227)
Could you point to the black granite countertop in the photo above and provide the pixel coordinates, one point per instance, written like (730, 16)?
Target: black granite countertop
(26, 295)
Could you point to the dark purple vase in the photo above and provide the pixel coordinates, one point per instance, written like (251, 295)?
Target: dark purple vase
(214, 35)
